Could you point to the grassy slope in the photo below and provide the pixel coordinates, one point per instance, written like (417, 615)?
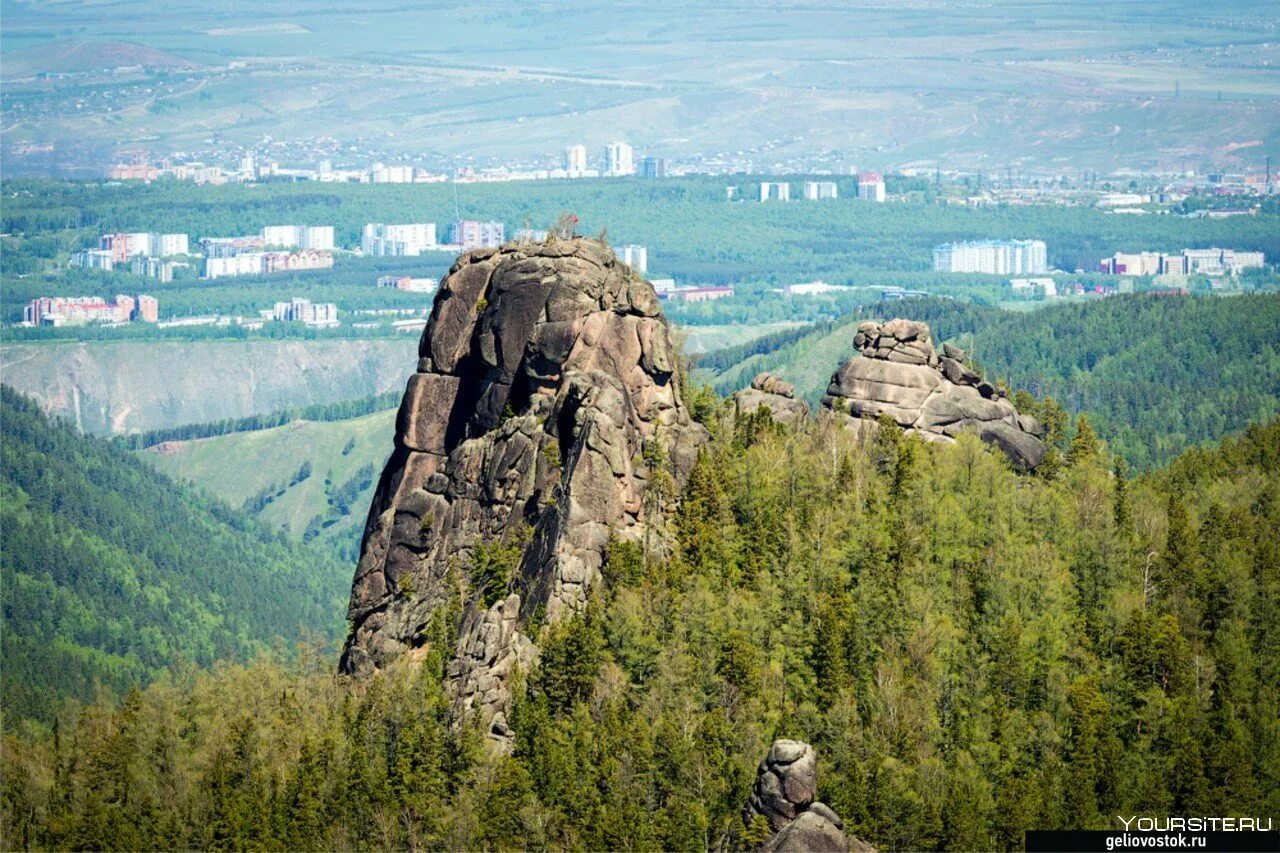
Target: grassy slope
(808, 363)
(237, 466)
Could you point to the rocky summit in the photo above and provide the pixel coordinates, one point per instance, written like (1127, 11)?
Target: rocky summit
(546, 387)
(899, 373)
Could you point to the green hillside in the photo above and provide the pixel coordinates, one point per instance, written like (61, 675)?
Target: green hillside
(113, 573)
(261, 472)
(1157, 375)
(971, 653)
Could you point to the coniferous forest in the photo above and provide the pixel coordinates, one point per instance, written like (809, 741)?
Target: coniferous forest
(971, 652)
(114, 574)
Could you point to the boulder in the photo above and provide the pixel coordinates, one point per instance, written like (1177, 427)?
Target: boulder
(785, 794)
(810, 832)
(544, 372)
(777, 395)
(898, 373)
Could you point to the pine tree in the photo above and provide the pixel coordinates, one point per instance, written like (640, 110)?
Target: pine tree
(1085, 446)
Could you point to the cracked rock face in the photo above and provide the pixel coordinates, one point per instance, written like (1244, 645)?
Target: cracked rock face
(544, 373)
(900, 374)
(778, 395)
(785, 794)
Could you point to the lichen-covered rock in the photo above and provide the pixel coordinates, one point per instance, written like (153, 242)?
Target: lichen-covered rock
(900, 374)
(775, 394)
(785, 794)
(544, 373)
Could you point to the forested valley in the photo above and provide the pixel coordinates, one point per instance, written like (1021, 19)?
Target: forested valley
(972, 653)
(115, 575)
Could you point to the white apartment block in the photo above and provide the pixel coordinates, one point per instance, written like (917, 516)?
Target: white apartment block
(636, 257)
(164, 245)
(245, 263)
(382, 174)
(473, 234)
(815, 190)
(408, 239)
(317, 237)
(775, 191)
(997, 257)
(94, 259)
(306, 311)
(575, 159)
(1221, 261)
(871, 186)
(619, 159)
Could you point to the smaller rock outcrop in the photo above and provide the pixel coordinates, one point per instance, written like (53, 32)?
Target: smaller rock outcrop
(900, 374)
(785, 794)
(778, 395)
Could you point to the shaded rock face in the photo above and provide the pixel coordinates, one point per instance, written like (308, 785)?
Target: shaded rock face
(785, 794)
(901, 375)
(544, 373)
(778, 395)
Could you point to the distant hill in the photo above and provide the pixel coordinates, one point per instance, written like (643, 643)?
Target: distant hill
(1157, 375)
(68, 56)
(259, 472)
(113, 572)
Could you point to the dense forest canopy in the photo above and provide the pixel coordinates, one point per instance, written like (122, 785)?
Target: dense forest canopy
(971, 652)
(114, 574)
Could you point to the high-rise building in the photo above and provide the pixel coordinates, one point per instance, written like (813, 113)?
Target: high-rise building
(619, 159)
(95, 259)
(410, 239)
(148, 310)
(125, 246)
(473, 234)
(166, 245)
(636, 257)
(382, 174)
(814, 190)
(305, 311)
(871, 186)
(997, 257)
(575, 159)
(154, 268)
(775, 191)
(317, 237)
(653, 167)
(244, 263)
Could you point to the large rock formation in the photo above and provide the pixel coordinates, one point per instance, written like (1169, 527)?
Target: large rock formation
(785, 794)
(900, 374)
(779, 396)
(545, 372)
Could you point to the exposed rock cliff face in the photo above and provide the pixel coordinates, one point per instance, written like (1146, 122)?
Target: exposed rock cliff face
(901, 375)
(785, 794)
(120, 387)
(545, 373)
(778, 395)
